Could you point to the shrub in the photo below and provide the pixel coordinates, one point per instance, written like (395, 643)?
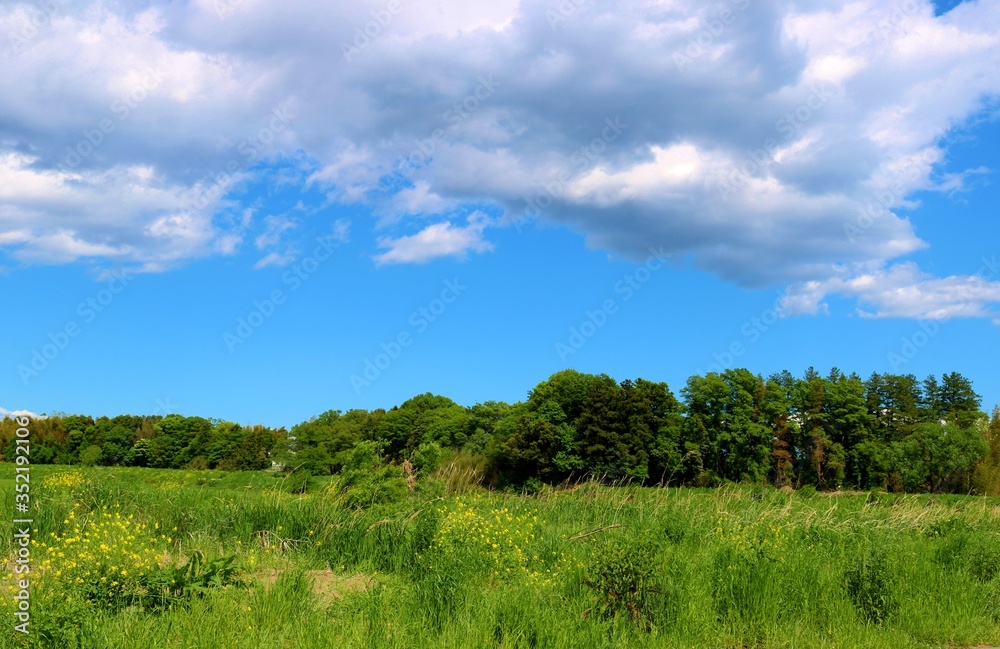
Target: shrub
(427, 458)
(532, 486)
(91, 455)
(748, 580)
(806, 491)
(366, 480)
(870, 586)
(475, 546)
(993, 600)
(624, 583)
(984, 558)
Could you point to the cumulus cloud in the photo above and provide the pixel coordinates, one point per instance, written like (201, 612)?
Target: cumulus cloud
(5, 414)
(438, 240)
(772, 142)
(904, 291)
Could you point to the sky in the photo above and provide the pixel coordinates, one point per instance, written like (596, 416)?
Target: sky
(262, 211)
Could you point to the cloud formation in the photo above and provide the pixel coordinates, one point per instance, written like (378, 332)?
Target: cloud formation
(772, 142)
(438, 240)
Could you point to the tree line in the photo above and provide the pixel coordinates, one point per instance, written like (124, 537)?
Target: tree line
(830, 432)
(163, 442)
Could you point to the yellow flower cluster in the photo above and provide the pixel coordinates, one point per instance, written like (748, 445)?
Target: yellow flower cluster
(496, 541)
(170, 486)
(64, 480)
(764, 539)
(103, 552)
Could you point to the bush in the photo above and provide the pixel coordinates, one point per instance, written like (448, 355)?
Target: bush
(993, 600)
(532, 486)
(366, 479)
(806, 491)
(870, 586)
(91, 455)
(624, 583)
(427, 458)
(984, 558)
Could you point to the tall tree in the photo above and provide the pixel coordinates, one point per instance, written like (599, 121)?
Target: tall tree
(612, 443)
(959, 401)
(781, 391)
(986, 476)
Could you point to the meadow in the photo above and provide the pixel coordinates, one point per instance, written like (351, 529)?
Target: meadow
(134, 557)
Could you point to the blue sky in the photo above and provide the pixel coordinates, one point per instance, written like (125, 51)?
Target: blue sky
(507, 192)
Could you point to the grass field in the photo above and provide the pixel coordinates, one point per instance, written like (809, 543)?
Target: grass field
(363, 563)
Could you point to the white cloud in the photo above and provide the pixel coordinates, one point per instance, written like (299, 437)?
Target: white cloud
(904, 291)
(434, 241)
(274, 228)
(415, 201)
(753, 158)
(275, 259)
(4, 414)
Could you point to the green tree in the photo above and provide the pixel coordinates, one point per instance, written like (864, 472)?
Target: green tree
(567, 388)
(959, 402)
(893, 402)
(705, 399)
(652, 407)
(727, 420)
(780, 393)
(116, 444)
(847, 424)
(986, 476)
(936, 457)
(178, 440)
(615, 431)
(90, 455)
(812, 443)
(536, 448)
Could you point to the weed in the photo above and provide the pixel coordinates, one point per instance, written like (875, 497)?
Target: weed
(870, 586)
(623, 581)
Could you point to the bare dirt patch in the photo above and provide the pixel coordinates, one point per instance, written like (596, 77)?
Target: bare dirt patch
(326, 584)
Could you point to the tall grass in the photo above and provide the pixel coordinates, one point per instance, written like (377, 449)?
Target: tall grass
(452, 565)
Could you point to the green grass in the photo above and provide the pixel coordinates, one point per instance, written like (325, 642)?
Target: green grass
(591, 567)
